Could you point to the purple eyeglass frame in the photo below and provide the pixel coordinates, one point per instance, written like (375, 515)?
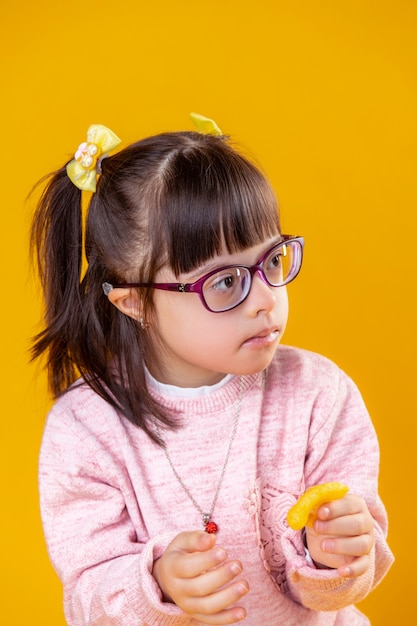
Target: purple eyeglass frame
(197, 286)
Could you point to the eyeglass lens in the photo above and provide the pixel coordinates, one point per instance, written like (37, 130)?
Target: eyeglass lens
(228, 287)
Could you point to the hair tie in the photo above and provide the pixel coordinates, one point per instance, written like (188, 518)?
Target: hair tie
(86, 165)
(205, 125)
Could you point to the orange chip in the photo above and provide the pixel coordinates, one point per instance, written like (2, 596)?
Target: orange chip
(303, 513)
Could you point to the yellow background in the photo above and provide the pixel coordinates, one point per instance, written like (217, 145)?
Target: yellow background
(324, 94)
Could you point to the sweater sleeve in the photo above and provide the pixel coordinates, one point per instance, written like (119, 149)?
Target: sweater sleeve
(342, 446)
(106, 569)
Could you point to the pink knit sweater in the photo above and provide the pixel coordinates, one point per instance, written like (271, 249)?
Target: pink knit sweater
(111, 504)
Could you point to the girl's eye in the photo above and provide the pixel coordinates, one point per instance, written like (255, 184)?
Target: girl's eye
(222, 283)
(275, 261)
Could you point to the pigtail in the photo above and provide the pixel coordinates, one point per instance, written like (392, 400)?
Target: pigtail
(56, 244)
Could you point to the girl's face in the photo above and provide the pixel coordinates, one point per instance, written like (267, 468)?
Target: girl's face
(196, 347)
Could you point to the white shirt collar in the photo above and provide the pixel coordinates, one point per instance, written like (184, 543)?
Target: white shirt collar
(189, 392)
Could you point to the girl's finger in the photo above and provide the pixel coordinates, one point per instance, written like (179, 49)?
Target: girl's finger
(192, 565)
(215, 603)
(229, 616)
(348, 525)
(348, 546)
(193, 541)
(210, 581)
(356, 568)
(349, 505)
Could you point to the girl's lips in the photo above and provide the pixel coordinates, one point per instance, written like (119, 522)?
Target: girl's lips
(266, 338)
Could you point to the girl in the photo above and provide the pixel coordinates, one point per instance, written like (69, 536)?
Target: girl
(182, 431)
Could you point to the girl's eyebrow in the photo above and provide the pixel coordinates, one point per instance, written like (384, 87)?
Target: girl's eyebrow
(205, 269)
(212, 264)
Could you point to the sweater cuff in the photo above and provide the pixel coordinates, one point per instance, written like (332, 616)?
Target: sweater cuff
(153, 550)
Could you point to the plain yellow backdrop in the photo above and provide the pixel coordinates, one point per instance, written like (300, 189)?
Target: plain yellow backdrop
(324, 95)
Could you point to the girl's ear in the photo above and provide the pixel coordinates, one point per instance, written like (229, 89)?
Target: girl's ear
(126, 300)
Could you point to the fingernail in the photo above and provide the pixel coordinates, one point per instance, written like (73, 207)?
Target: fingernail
(243, 588)
(235, 569)
(206, 539)
(346, 571)
(327, 545)
(220, 554)
(324, 512)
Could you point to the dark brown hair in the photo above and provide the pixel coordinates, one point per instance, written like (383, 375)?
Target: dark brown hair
(175, 199)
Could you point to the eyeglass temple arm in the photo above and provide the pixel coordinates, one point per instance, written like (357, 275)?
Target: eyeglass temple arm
(108, 287)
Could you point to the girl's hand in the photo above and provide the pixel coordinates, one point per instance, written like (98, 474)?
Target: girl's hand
(342, 536)
(197, 576)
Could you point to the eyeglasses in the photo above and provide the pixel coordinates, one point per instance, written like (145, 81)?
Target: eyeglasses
(226, 287)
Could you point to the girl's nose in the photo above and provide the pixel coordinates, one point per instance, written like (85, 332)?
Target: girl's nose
(262, 297)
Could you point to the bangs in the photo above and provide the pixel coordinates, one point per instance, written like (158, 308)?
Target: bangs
(211, 196)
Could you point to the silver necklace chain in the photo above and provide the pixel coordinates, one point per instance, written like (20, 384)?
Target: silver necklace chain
(207, 516)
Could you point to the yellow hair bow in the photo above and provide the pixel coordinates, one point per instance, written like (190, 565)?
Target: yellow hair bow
(82, 170)
(205, 125)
